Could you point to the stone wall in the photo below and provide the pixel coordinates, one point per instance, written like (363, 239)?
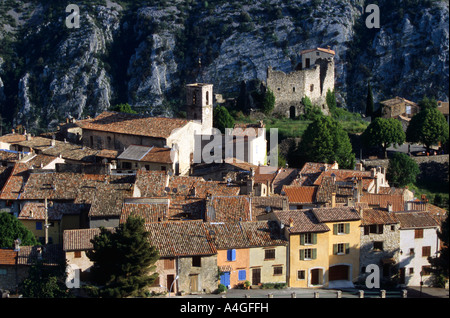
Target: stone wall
(206, 274)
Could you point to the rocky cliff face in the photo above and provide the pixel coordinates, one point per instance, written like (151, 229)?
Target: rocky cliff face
(144, 54)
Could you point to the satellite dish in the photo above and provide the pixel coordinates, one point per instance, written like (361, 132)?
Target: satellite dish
(167, 189)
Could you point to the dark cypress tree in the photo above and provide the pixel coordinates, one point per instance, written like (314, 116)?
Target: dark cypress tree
(123, 260)
(369, 101)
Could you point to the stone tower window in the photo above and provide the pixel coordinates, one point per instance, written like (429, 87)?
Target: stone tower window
(311, 87)
(293, 89)
(207, 98)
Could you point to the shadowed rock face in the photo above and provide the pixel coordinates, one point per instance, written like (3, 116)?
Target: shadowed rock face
(124, 53)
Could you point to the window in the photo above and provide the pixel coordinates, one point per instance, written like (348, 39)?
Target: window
(317, 53)
(308, 254)
(392, 227)
(207, 98)
(308, 238)
(242, 274)
(301, 274)
(418, 233)
(163, 168)
(411, 251)
(311, 88)
(269, 254)
(341, 228)
(77, 254)
(411, 270)
(293, 89)
(378, 246)
(126, 165)
(3, 271)
(231, 255)
(38, 225)
(277, 270)
(426, 251)
(197, 261)
(341, 248)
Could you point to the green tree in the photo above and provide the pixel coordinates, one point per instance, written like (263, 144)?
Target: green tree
(384, 132)
(268, 102)
(123, 108)
(427, 103)
(428, 127)
(402, 170)
(44, 281)
(11, 229)
(123, 259)
(312, 112)
(222, 119)
(369, 101)
(331, 101)
(326, 141)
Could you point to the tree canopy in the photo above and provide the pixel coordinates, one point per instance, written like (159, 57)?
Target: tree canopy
(11, 229)
(428, 127)
(326, 141)
(123, 108)
(384, 132)
(123, 259)
(222, 119)
(268, 102)
(402, 170)
(331, 101)
(427, 103)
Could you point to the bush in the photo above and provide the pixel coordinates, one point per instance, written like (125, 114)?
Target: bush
(222, 288)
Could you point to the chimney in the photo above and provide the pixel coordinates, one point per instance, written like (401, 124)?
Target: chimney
(389, 207)
(291, 222)
(285, 204)
(29, 137)
(53, 143)
(359, 166)
(333, 200)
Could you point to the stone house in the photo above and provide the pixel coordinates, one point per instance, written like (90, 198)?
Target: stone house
(380, 242)
(418, 241)
(313, 77)
(188, 257)
(148, 157)
(15, 263)
(399, 106)
(443, 108)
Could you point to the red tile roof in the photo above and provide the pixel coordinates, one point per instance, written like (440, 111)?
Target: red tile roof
(79, 239)
(8, 257)
(302, 221)
(155, 211)
(133, 124)
(377, 216)
(228, 209)
(416, 219)
(181, 238)
(382, 200)
(336, 214)
(300, 194)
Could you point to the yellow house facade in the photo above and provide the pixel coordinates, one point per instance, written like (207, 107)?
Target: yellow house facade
(323, 246)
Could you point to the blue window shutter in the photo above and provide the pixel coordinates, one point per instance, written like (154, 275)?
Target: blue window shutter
(229, 255)
(233, 254)
(242, 275)
(38, 225)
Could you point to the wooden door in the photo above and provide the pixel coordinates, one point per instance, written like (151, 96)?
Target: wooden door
(194, 282)
(338, 272)
(170, 279)
(315, 276)
(256, 276)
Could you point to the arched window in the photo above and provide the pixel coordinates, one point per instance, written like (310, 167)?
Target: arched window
(207, 98)
(292, 112)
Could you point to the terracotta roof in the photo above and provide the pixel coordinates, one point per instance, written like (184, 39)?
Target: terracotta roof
(151, 183)
(151, 210)
(346, 176)
(275, 202)
(52, 254)
(36, 210)
(326, 189)
(15, 182)
(108, 200)
(133, 124)
(309, 173)
(227, 235)
(263, 233)
(79, 239)
(181, 238)
(5, 172)
(302, 221)
(336, 214)
(146, 154)
(318, 49)
(300, 194)
(191, 208)
(13, 138)
(397, 101)
(377, 216)
(416, 219)
(382, 200)
(228, 209)
(8, 256)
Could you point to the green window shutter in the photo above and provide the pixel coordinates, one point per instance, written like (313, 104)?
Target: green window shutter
(314, 238)
(302, 239)
(314, 253)
(335, 249)
(347, 248)
(335, 229)
(347, 228)
(302, 255)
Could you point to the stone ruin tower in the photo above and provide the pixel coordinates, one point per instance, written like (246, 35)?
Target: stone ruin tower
(313, 76)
